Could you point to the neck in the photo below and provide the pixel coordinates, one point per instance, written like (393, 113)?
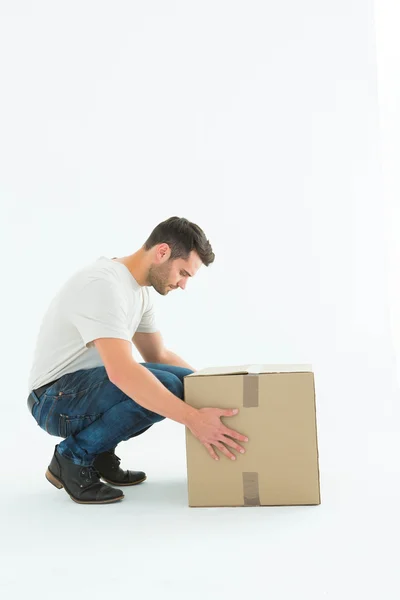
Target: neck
(138, 266)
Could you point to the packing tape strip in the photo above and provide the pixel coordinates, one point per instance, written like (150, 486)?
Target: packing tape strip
(250, 390)
(251, 493)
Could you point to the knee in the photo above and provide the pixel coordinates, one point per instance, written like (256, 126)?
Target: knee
(187, 372)
(175, 385)
(182, 372)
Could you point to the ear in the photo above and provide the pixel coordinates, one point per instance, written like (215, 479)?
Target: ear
(163, 252)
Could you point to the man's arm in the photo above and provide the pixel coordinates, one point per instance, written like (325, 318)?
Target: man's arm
(151, 347)
(141, 385)
(169, 358)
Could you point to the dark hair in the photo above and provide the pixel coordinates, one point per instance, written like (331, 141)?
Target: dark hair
(182, 237)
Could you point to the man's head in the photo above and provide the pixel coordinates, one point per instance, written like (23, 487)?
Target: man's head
(177, 248)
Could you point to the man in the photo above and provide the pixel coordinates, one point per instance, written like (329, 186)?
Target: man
(87, 388)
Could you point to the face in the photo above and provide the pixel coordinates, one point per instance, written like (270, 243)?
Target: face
(167, 275)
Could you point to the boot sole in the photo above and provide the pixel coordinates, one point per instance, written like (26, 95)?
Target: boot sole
(57, 483)
(123, 484)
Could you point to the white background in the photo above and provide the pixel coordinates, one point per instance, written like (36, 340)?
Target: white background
(387, 19)
(258, 121)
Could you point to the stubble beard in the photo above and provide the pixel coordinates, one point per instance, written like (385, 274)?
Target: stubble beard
(158, 278)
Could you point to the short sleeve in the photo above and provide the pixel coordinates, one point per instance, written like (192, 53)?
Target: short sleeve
(97, 312)
(148, 323)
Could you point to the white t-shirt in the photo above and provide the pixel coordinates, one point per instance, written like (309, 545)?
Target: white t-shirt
(102, 300)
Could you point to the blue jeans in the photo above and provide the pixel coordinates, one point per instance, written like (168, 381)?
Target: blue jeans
(94, 415)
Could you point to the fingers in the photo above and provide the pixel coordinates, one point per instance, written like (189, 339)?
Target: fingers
(231, 432)
(234, 434)
(229, 412)
(222, 436)
(225, 450)
(222, 448)
(234, 445)
(211, 451)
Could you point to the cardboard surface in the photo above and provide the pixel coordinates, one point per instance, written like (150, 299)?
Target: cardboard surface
(244, 369)
(277, 412)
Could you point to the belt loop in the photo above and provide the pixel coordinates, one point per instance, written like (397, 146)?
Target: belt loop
(33, 393)
(33, 400)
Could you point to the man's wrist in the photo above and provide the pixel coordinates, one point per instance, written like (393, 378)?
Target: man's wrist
(190, 415)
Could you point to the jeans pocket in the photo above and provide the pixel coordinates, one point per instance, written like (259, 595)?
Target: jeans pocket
(72, 425)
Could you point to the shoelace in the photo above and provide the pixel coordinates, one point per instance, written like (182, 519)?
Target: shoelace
(91, 474)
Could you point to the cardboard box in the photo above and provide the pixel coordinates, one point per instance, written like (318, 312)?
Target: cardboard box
(277, 413)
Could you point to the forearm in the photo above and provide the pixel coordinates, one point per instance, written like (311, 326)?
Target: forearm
(170, 358)
(143, 387)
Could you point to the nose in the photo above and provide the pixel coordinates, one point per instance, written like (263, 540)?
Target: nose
(182, 284)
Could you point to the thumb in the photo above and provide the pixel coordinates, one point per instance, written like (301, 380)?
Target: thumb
(229, 412)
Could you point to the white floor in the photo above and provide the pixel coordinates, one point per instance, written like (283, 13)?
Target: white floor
(152, 545)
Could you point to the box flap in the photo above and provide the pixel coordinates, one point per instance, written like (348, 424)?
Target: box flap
(252, 369)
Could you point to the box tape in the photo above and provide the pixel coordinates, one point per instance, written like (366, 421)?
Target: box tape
(251, 494)
(250, 390)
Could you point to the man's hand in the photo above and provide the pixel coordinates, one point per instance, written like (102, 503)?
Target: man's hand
(207, 427)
